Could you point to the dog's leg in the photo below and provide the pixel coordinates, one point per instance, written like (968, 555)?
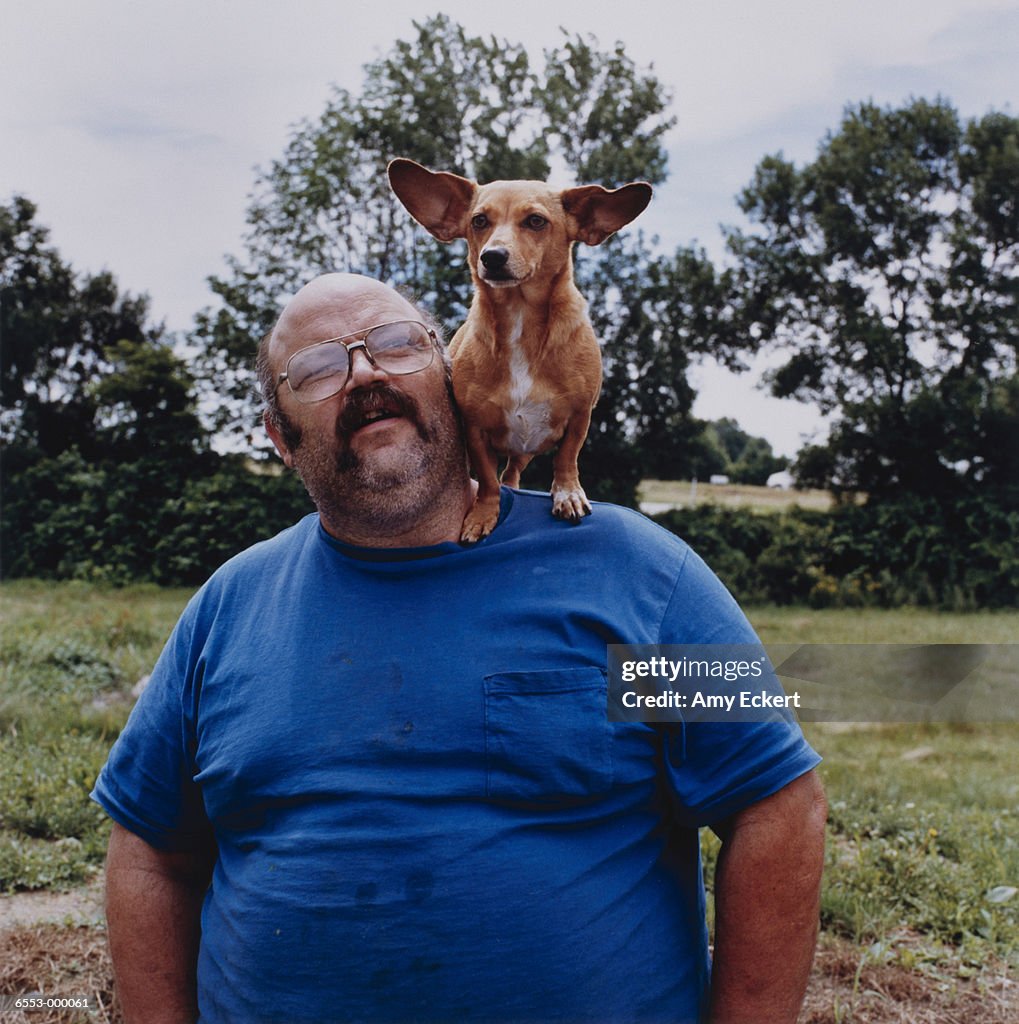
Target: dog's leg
(517, 464)
(568, 498)
(484, 513)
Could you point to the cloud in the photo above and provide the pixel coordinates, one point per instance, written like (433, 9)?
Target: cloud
(124, 126)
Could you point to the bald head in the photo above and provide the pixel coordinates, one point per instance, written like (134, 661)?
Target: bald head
(331, 306)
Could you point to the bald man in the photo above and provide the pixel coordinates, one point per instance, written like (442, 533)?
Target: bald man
(372, 777)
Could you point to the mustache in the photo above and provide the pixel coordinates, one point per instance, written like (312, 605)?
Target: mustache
(364, 401)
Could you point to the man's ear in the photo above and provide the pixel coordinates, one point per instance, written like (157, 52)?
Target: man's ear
(598, 212)
(437, 200)
(277, 439)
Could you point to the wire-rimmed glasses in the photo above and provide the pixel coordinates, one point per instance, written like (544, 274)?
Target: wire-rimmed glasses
(320, 371)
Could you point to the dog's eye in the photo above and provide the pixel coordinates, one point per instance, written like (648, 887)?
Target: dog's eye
(536, 222)
(479, 222)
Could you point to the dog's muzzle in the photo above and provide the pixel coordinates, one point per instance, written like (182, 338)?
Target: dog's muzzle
(494, 265)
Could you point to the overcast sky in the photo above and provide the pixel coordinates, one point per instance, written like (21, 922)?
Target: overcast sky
(136, 127)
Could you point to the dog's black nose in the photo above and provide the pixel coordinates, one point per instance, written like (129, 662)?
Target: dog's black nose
(495, 259)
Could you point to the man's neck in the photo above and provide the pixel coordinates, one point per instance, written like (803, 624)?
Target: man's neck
(440, 521)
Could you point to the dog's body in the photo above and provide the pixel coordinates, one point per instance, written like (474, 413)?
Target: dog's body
(526, 363)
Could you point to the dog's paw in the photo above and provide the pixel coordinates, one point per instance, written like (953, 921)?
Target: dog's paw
(480, 522)
(571, 505)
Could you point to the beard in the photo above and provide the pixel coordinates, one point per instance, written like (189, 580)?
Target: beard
(390, 486)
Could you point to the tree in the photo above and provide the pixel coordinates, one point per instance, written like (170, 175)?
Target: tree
(479, 108)
(147, 405)
(100, 425)
(654, 315)
(886, 271)
(746, 459)
(58, 332)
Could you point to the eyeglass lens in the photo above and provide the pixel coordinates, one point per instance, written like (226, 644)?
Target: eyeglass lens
(320, 371)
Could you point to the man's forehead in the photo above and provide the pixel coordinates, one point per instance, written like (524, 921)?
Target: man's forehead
(336, 306)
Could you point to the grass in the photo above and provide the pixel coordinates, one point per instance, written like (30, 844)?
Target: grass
(69, 656)
(681, 493)
(923, 854)
(919, 905)
(883, 626)
(923, 849)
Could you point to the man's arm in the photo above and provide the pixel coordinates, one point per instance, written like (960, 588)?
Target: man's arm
(767, 895)
(153, 913)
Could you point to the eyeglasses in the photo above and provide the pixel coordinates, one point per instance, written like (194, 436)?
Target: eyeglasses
(320, 371)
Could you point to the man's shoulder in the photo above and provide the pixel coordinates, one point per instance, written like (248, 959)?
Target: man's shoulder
(265, 557)
(608, 524)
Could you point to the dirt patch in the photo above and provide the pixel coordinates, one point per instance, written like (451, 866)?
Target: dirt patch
(83, 905)
(845, 987)
(58, 962)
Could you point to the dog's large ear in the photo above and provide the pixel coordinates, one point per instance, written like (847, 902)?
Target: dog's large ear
(437, 200)
(598, 212)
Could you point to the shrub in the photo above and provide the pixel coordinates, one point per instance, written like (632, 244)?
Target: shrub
(913, 551)
(148, 520)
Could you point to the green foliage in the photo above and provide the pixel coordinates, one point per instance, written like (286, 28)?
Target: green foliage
(147, 405)
(723, 447)
(168, 521)
(917, 551)
(69, 655)
(653, 315)
(44, 786)
(109, 474)
(885, 273)
(216, 516)
(761, 557)
(927, 842)
(60, 332)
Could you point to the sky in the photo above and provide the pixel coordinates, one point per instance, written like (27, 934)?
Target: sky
(137, 128)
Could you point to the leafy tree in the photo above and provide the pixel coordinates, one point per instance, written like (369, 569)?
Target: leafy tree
(746, 459)
(654, 315)
(58, 331)
(147, 405)
(756, 463)
(100, 423)
(480, 108)
(885, 271)
(717, 446)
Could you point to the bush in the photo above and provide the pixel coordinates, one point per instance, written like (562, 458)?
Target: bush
(216, 517)
(149, 520)
(913, 551)
(50, 832)
(762, 557)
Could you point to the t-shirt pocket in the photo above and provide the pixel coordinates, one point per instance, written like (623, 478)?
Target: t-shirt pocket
(547, 736)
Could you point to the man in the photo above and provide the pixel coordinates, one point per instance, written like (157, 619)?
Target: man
(373, 778)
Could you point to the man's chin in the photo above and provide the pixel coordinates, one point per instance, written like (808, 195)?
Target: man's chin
(379, 466)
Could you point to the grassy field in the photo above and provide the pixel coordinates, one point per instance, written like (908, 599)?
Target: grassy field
(922, 862)
(664, 494)
(69, 657)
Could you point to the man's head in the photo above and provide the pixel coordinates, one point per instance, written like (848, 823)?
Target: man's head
(380, 455)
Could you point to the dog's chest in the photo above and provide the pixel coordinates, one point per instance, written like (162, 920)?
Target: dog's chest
(528, 420)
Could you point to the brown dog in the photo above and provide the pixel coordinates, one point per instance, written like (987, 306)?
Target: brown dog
(526, 363)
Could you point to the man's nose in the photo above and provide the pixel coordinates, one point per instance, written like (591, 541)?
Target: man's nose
(362, 370)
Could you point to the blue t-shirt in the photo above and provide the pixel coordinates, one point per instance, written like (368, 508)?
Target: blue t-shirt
(421, 809)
